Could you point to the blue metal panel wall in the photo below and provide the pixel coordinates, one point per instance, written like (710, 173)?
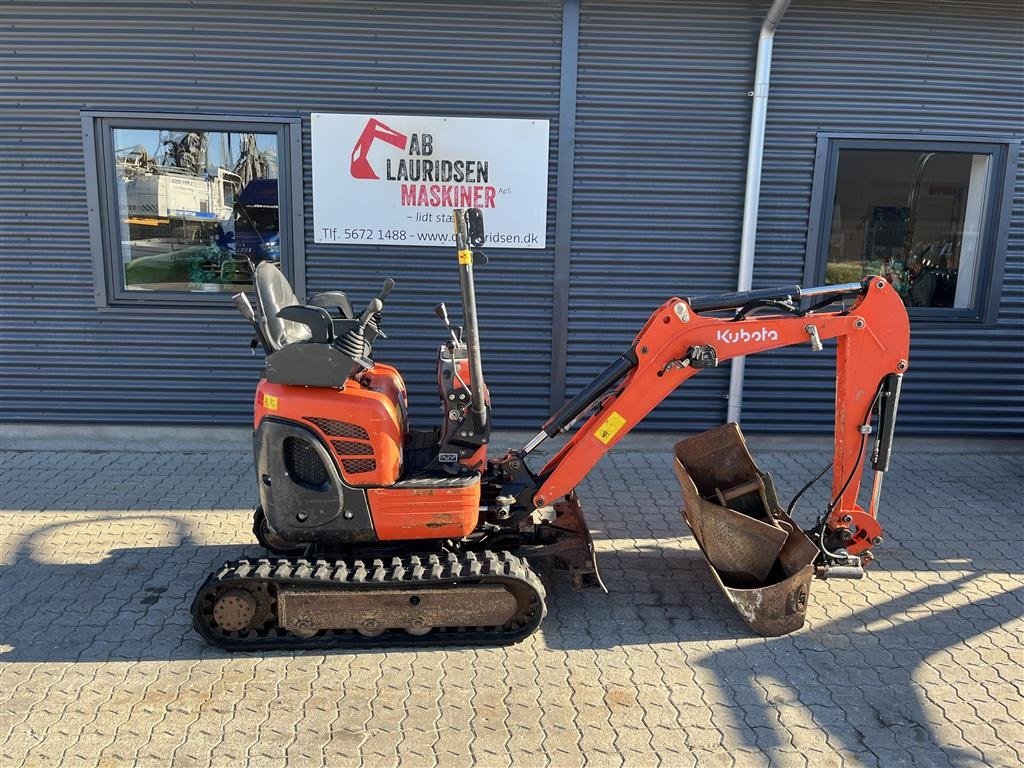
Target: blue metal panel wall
(64, 361)
(661, 138)
(930, 67)
(660, 155)
(661, 143)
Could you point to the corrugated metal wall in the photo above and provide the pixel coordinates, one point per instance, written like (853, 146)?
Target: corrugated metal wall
(661, 133)
(873, 66)
(64, 361)
(661, 144)
(661, 137)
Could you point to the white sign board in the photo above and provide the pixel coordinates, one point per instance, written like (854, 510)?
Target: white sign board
(394, 179)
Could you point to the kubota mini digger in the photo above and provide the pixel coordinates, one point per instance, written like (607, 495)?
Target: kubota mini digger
(387, 535)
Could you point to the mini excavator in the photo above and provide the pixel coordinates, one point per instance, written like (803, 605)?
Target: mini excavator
(382, 535)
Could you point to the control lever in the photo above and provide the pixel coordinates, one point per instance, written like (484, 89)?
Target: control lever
(242, 304)
(353, 343)
(442, 312)
(375, 306)
(389, 284)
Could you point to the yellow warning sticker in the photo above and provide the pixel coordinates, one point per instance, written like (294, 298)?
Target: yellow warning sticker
(270, 402)
(465, 257)
(610, 428)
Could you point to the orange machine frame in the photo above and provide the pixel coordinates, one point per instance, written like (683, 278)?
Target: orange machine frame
(873, 340)
(400, 514)
(376, 403)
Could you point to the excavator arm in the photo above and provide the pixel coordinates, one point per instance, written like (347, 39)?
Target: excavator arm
(677, 342)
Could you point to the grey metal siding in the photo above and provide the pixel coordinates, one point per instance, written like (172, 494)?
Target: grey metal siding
(660, 147)
(662, 121)
(65, 361)
(661, 127)
(877, 67)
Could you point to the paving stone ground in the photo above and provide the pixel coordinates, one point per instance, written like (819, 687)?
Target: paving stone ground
(918, 665)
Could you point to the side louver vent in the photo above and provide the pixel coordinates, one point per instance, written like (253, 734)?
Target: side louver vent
(335, 428)
(303, 464)
(350, 448)
(355, 466)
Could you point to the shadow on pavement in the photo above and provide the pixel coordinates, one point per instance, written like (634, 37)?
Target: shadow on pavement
(882, 642)
(133, 603)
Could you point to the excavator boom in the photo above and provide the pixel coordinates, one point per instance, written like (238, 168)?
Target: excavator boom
(872, 353)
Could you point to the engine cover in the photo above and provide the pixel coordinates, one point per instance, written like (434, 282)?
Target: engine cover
(303, 496)
(363, 425)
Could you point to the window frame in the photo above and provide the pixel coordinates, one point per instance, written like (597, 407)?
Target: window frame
(103, 211)
(995, 228)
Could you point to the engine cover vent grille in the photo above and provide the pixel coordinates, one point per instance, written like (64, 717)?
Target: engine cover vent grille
(355, 466)
(349, 448)
(335, 428)
(303, 463)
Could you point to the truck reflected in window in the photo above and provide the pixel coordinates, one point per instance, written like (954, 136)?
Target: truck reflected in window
(196, 209)
(256, 221)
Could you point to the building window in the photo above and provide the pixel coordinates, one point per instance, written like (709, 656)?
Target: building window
(930, 215)
(182, 207)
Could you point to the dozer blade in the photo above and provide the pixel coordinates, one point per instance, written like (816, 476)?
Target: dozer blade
(569, 545)
(758, 556)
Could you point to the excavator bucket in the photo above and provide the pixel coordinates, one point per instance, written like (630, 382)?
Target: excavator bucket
(758, 556)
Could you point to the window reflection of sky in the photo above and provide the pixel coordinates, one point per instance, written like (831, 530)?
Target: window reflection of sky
(224, 148)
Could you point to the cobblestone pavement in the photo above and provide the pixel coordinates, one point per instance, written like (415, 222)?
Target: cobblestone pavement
(920, 664)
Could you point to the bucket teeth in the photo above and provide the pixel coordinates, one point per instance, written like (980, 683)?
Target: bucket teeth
(758, 556)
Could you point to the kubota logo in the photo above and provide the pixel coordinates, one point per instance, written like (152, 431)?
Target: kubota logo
(734, 337)
(375, 129)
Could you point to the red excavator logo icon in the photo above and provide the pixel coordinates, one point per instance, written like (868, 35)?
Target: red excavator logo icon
(374, 130)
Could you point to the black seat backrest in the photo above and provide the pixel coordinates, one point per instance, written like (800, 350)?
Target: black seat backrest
(274, 294)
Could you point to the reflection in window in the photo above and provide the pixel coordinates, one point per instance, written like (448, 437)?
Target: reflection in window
(914, 217)
(196, 209)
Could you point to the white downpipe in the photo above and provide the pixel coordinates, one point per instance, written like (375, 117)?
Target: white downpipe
(755, 151)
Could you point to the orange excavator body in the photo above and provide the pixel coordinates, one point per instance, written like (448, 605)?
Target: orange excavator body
(417, 535)
(365, 426)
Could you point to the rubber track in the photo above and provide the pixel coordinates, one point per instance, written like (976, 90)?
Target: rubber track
(414, 572)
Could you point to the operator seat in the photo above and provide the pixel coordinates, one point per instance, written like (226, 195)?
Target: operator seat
(274, 293)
